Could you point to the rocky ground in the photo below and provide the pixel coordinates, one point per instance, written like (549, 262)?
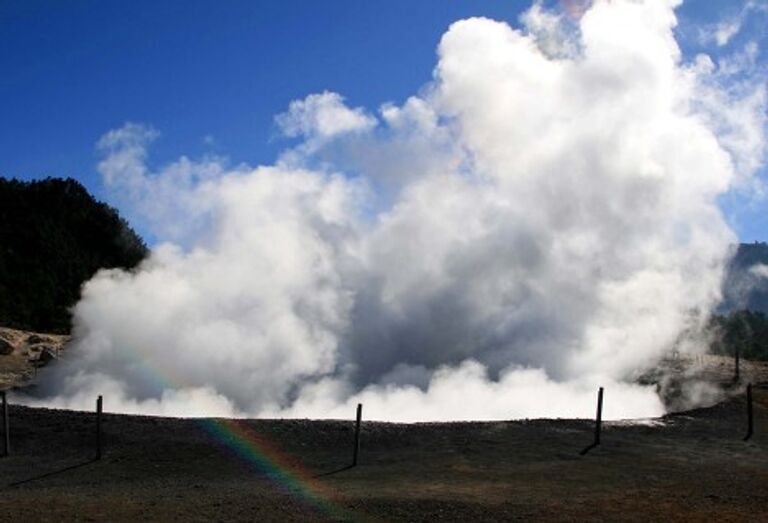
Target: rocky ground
(23, 352)
(687, 466)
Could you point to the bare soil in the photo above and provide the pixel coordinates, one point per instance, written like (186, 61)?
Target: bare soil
(690, 466)
(686, 466)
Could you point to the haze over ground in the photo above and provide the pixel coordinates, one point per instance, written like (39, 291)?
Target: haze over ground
(550, 213)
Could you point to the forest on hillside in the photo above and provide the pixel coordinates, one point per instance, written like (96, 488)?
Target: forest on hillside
(53, 237)
(745, 331)
(746, 281)
(741, 321)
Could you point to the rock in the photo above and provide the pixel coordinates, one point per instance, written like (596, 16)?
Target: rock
(5, 347)
(46, 355)
(35, 338)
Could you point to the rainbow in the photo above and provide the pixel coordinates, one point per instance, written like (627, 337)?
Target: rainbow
(284, 470)
(263, 456)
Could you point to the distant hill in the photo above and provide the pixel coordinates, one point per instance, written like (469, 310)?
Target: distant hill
(741, 322)
(745, 331)
(53, 237)
(746, 282)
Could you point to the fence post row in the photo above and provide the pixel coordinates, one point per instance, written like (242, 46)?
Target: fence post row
(6, 427)
(356, 450)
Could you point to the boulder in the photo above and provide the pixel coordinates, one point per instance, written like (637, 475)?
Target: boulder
(35, 338)
(46, 355)
(5, 347)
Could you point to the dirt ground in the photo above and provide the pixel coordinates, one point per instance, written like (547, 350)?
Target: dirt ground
(690, 466)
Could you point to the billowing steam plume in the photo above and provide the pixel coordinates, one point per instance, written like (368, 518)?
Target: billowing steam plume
(540, 221)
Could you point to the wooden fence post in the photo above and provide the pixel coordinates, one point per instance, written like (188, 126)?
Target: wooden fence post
(356, 451)
(598, 422)
(98, 427)
(750, 422)
(6, 427)
(599, 419)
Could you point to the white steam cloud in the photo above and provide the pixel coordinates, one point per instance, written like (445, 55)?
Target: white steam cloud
(759, 270)
(541, 221)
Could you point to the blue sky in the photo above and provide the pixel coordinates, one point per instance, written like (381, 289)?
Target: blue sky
(212, 75)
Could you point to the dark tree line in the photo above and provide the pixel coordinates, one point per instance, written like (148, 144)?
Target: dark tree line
(741, 322)
(53, 237)
(745, 331)
(743, 288)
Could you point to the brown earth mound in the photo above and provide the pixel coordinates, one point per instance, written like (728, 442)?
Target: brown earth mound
(23, 352)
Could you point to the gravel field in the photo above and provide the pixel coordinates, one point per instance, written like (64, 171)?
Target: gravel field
(686, 466)
(690, 466)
